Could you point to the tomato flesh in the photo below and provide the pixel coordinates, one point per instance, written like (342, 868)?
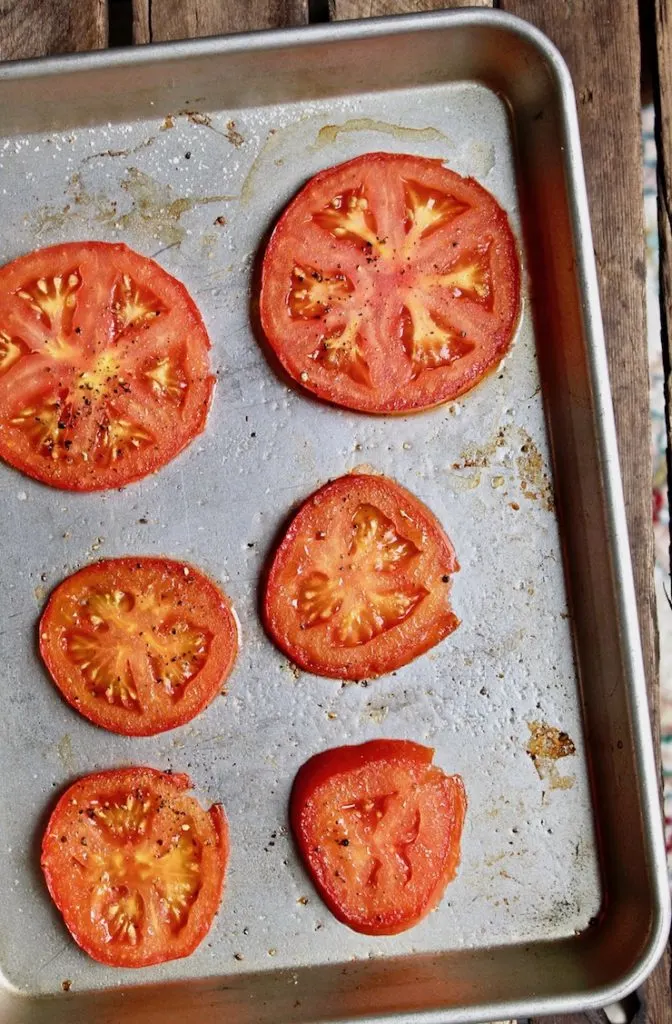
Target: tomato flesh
(378, 827)
(360, 584)
(390, 284)
(104, 373)
(138, 645)
(135, 865)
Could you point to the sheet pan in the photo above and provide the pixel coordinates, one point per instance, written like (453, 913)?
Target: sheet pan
(188, 152)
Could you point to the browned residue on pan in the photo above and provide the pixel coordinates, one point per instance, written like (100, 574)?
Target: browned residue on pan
(546, 746)
(120, 152)
(154, 213)
(328, 135)
(231, 134)
(478, 457)
(535, 482)
(196, 117)
(156, 207)
(293, 670)
(512, 462)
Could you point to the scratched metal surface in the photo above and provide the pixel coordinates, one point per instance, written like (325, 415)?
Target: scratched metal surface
(198, 192)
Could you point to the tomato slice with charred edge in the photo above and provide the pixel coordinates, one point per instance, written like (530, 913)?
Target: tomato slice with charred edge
(104, 370)
(378, 827)
(390, 284)
(135, 865)
(138, 645)
(360, 583)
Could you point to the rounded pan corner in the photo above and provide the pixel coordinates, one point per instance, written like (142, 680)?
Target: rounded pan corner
(626, 980)
(650, 953)
(531, 35)
(523, 30)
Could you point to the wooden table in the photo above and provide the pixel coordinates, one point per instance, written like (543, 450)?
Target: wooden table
(600, 40)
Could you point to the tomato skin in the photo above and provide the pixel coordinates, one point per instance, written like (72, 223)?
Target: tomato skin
(184, 595)
(62, 865)
(350, 758)
(329, 784)
(373, 296)
(60, 370)
(315, 649)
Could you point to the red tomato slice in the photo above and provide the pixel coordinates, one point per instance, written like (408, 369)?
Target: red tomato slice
(104, 373)
(138, 645)
(360, 584)
(390, 284)
(135, 866)
(378, 827)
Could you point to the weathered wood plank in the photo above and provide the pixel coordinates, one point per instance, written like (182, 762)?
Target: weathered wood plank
(31, 29)
(341, 10)
(600, 42)
(658, 992)
(158, 20)
(663, 99)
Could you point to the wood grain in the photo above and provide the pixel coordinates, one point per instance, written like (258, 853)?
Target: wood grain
(663, 100)
(658, 993)
(608, 95)
(158, 20)
(341, 10)
(31, 29)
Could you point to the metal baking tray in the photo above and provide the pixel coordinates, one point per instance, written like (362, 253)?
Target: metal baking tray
(188, 152)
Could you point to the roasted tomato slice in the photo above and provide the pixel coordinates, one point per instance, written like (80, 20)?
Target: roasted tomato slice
(104, 373)
(135, 865)
(138, 645)
(378, 827)
(390, 284)
(360, 583)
